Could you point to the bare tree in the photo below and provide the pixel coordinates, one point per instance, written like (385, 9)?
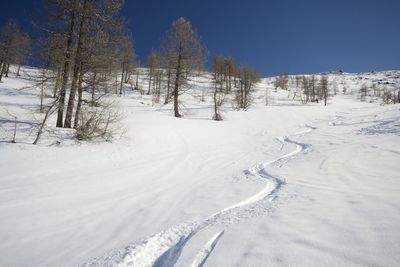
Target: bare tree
(83, 16)
(313, 87)
(185, 52)
(305, 83)
(24, 51)
(77, 21)
(282, 82)
(218, 80)
(244, 94)
(152, 64)
(14, 47)
(127, 55)
(169, 81)
(363, 92)
(334, 86)
(324, 88)
(85, 53)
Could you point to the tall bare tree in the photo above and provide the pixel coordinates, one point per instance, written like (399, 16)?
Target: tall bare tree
(244, 94)
(218, 80)
(324, 88)
(152, 64)
(67, 12)
(14, 47)
(305, 84)
(24, 51)
(127, 55)
(185, 52)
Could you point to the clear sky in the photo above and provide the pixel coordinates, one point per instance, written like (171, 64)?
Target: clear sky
(274, 36)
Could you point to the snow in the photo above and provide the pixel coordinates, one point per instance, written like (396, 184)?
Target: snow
(205, 252)
(280, 185)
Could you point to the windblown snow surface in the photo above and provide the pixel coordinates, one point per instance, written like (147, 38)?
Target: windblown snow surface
(280, 185)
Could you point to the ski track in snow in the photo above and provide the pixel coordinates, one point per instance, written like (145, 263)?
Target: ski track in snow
(164, 248)
(205, 252)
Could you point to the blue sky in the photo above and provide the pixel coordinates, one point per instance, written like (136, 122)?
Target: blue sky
(273, 36)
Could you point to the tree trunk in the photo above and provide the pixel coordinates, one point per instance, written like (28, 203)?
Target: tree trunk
(159, 86)
(57, 83)
(1, 70)
(7, 70)
(48, 112)
(71, 100)
(65, 74)
(122, 78)
(15, 130)
(19, 68)
(398, 96)
(216, 115)
(127, 76)
(313, 93)
(79, 105)
(176, 87)
(168, 87)
(41, 96)
(93, 88)
(137, 80)
(242, 95)
(150, 78)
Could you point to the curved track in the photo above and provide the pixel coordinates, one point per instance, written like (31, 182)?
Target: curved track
(164, 248)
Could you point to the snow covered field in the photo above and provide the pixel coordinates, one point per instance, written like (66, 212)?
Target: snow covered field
(279, 185)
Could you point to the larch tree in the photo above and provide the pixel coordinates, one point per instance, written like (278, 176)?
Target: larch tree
(313, 86)
(152, 64)
(14, 47)
(76, 21)
(244, 94)
(82, 47)
(218, 81)
(305, 84)
(127, 54)
(66, 12)
(298, 90)
(324, 88)
(185, 52)
(166, 65)
(92, 16)
(24, 51)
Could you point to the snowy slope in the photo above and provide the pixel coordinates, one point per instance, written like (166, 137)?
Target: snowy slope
(283, 185)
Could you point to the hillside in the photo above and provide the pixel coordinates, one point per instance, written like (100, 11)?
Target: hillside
(283, 184)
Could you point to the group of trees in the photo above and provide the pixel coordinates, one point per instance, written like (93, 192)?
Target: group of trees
(306, 88)
(86, 54)
(229, 78)
(315, 89)
(15, 47)
(84, 49)
(281, 82)
(184, 53)
(248, 77)
(227, 71)
(170, 70)
(388, 93)
(181, 59)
